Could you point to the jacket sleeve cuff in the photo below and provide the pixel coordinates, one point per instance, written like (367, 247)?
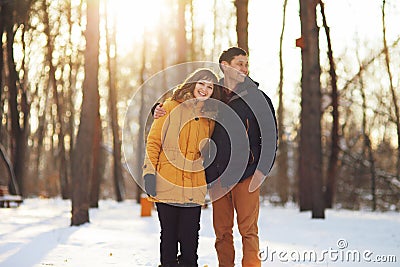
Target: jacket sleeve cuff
(148, 169)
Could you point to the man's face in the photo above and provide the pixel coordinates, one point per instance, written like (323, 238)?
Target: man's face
(238, 69)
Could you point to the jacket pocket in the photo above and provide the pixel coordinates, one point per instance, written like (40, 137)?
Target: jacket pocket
(165, 183)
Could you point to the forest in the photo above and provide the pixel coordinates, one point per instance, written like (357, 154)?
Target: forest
(69, 70)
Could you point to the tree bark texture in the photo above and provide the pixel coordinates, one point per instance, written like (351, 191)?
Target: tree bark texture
(392, 89)
(82, 159)
(181, 41)
(310, 155)
(282, 159)
(333, 159)
(242, 24)
(112, 104)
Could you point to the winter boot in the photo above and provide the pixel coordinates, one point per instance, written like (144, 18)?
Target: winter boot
(183, 264)
(174, 264)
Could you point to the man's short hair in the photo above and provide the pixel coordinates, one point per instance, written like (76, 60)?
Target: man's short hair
(229, 54)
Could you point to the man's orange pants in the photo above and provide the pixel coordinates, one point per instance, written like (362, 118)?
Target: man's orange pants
(247, 207)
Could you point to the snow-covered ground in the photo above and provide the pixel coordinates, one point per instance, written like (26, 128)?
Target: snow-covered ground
(38, 234)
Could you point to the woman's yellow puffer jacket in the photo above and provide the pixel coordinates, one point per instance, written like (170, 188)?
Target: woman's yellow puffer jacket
(173, 153)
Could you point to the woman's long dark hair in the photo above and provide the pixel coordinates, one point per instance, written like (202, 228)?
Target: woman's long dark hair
(185, 90)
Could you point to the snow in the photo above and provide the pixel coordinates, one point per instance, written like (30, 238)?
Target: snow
(38, 233)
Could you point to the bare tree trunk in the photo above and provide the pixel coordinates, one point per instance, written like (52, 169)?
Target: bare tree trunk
(333, 159)
(82, 159)
(40, 133)
(49, 81)
(52, 85)
(140, 148)
(94, 192)
(64, 108)
(62, 157)
(163, 54)
(74, 62)
(215, 22)
(111, 65)
(242, 24)
(40, 136)
(282, 159)
(17, 133)
(310, 143)
(25, 106)
(22, 142)
(305, 190)
(140, 144)
(367, 146)
(6, 167)
(181, 41)
(193, 54)
(392, 89)
(3, 17)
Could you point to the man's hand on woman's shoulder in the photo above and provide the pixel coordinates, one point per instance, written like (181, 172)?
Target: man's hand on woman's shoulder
(159, 111)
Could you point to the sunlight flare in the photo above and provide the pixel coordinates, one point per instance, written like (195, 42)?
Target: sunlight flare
(133, 20)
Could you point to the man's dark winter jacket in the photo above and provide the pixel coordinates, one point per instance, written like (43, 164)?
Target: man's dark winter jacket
(245, 136)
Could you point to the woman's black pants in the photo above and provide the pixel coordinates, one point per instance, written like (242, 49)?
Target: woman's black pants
(179, 224)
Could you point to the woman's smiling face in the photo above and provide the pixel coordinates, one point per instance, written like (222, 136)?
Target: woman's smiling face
(203, 90)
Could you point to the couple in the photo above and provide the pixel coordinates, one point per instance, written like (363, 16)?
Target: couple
(179, 166)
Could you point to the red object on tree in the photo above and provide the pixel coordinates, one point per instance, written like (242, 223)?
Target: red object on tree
(300, 42)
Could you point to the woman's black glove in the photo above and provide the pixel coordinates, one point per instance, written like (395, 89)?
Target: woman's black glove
(150, 184)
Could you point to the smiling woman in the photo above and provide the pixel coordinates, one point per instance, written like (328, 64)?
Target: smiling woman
(133, 18)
